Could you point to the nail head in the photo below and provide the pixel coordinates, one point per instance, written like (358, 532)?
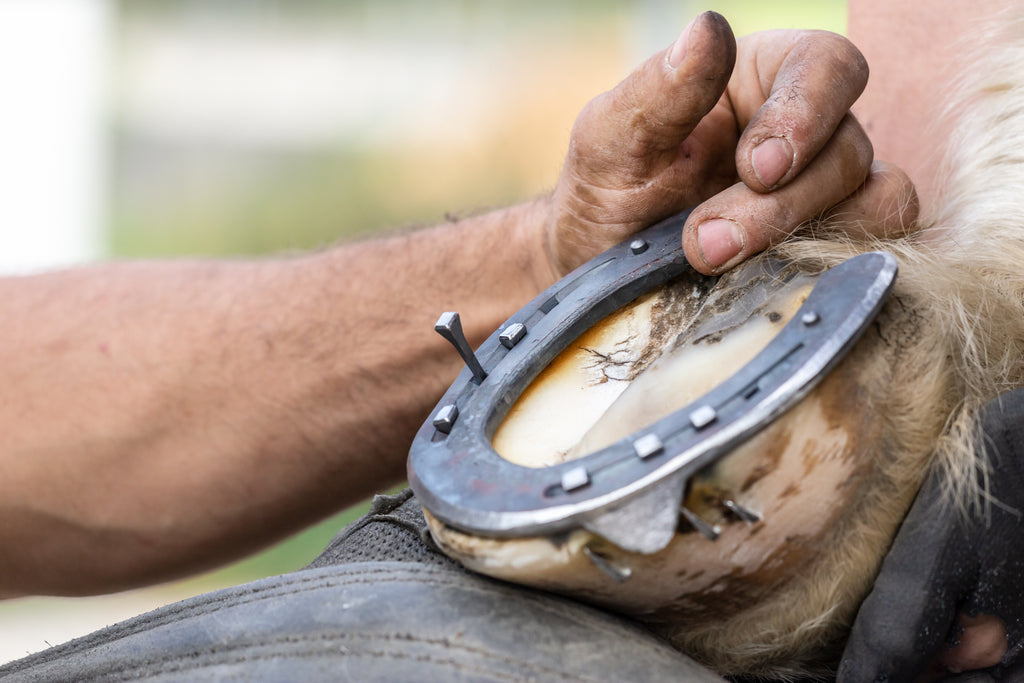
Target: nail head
(575, 478)
(647, 446)
(445, 418)
(703, 416)
(512, 335)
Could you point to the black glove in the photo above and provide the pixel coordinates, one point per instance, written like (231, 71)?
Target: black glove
(941, 564)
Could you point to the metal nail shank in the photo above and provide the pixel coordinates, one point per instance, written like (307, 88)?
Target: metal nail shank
(449, 326)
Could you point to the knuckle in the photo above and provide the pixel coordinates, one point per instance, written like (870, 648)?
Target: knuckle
(587, 119)
(645, 134)
(589, 140)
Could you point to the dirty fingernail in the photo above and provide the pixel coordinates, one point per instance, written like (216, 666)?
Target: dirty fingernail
(678, 52)
(771, 160)
(719, 240)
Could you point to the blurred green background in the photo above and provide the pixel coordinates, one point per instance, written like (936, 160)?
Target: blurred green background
(243, 127)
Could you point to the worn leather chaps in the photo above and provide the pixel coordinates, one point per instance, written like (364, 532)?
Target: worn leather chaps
(379, 604)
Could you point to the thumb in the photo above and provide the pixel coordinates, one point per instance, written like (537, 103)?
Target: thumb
(627, 164)
(643, 120)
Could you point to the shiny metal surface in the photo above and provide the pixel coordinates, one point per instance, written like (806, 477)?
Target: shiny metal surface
(462, 481)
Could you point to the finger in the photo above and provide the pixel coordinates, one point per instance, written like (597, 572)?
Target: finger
(739, 222)
(886, 205)
(981, 644)
(641, 122)
(631, 158)
(810, 82)
(906, 618)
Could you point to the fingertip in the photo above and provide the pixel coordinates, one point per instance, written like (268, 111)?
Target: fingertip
(712, 243)
(809, 81)
(690, 248)
(982, 644)
(717, 24)
(678, 52)
(771, 160)
(648, 115)
(719, 242)
(887, 204)
(901, 205)
(708, 25)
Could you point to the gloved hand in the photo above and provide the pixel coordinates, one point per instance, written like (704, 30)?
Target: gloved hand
(950, 595)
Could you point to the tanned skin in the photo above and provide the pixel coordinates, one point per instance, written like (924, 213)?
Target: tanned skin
(915, 55)
(159, 418)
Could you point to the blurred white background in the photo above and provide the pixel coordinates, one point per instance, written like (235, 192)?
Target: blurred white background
(53, 164)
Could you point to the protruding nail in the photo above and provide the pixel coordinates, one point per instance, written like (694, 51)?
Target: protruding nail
(771, 160)
(743, 513)
(678, 52)
(450, 327)
(615, 573)
(707, 530)
(719, 241)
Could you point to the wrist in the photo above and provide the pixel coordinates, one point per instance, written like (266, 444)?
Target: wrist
(535, 229)
(550, 264)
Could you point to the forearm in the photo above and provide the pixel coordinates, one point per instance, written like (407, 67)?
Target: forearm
(159, 418)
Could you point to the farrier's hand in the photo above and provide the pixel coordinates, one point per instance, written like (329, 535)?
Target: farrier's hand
(950, 595)
(765, 146)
